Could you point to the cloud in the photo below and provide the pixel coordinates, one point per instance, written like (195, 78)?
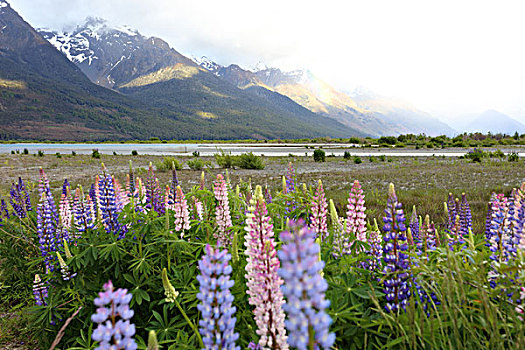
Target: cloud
(445, 56)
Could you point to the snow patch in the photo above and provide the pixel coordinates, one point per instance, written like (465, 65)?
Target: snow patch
(3, 4)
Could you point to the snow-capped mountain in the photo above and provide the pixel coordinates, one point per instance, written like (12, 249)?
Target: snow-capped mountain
(113, 55)
(207, 64)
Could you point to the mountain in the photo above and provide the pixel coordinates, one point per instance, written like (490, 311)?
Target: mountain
(149, 71)
(407, 118)
(112, 56)
(45, 95)
(374, 116)
(490, 121)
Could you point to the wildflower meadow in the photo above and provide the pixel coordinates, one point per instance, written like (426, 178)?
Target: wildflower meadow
(151, 265)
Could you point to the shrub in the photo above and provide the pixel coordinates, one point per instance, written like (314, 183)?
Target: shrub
(58, 155)
(167, 164)
(347, 155)
(497, 154)
(134, 153)
(198, 164)
(354, 140)
(476, 155)
(319, 155)
(357, 160)
(196, 154)
(114, 153)
(225, 160)
(382, 158)
(250, 161)
(95, 154)
(26, 151)
(372, 159)
(73, 153)
(513, 157)
(40, 153)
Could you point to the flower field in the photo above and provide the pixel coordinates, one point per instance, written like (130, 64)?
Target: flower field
(223, 265)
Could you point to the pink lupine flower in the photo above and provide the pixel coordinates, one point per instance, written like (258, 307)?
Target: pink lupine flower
(64, 209)
(263, 281)
(168, 199)
(356, 217)
(319, 208)
(222, 212)
(198, 209)
(182, 214)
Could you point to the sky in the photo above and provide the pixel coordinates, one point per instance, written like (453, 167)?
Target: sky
(448, 57)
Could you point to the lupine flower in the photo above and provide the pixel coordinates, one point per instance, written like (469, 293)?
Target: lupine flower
(414, 225)
(290, 178)
(94, 195)
(217, 325)
(375, 252)
(304, 288)
(40, 291)
(202, 185)
(396, 259)
(108, 207)
(429, 238)
(47, 231)
(153, 192)
(4, 212)
(499, 229)
(64, 269)
(19, 199)
(43, 187)
(465, 216)
(182, 214)
(198, 209)
(341, 240)
(64, 207)
(174, 182)
(267, 195)
(455, 237)
(355, 215)
(222, 212)
(319, 209)
(121, 197)
(263, 282)
(451, 209)
(114, 330)
(169, 290)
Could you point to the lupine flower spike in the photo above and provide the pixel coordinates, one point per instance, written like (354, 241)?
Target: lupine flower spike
(319, 209)
(39, 291)
(182, 214)
(263, 282)
(222, 212)
(217, 325)
(304, 288)
(114, 330)
(395, 255)
(355, 215)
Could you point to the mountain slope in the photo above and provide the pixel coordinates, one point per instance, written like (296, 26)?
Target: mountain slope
(159, 76)
(490, 121)
(407, 118)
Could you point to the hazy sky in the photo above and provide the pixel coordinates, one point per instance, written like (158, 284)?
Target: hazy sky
(448, 57)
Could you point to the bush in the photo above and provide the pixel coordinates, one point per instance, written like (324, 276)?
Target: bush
(372, 159)
(357, 160)
(319, 155)
(167, 164)
(73, 153)
(476, 155)
(40, 153)
(95, 154)
(497, 154)
(382, 158)
(513, 157)
(134, 153)
(347, 155)
(198, 164)
(26, 151)
(250, 161)
(225, 160)
(196, 154)
(58, 155)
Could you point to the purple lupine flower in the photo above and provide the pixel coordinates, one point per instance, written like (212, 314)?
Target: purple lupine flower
(375, 253)
(290, 179)
(499, 229)
(222, 212)
(263, 281)
(4, 212)
(267, 195)
(465, 216)
(153, 192)
(19, 199)
(414, 226)
(217, 325)
(83, 213)
(319, 209)
(43, 187)
(47, 232)
(355, 215)
(94, 195)
(455, 236)
(396, 268)
(451, 211)
(182, 214)
(114, 330)
(108, 207)
(40, 291)
(429, 239)
(304, 288)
